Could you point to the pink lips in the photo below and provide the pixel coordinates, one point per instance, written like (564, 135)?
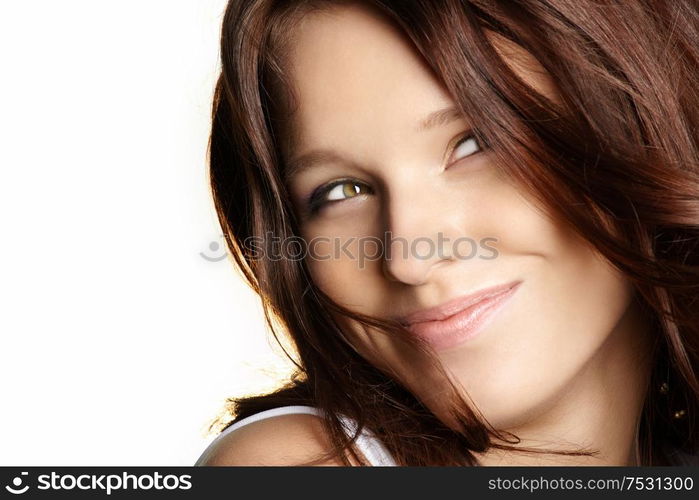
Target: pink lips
(460, 319)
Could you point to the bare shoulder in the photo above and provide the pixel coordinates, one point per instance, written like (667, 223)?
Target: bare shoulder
(291, 439)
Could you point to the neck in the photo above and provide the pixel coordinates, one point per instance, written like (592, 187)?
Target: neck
(599, 411)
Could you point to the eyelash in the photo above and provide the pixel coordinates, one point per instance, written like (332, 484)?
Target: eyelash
(315, 201)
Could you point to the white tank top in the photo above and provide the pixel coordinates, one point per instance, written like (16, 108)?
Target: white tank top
(368, 444)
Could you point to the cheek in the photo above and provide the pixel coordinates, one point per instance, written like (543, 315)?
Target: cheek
(343, 262)
(570, 303)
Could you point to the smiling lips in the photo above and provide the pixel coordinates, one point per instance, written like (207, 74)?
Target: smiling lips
(460, 319)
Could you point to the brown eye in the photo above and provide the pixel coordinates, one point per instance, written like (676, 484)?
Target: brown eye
(345, 190)
(336, 192)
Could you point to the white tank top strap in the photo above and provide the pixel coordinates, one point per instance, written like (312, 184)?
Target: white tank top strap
(370, 446)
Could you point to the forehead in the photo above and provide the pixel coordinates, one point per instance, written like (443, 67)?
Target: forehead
(354, 73)
(358, 79)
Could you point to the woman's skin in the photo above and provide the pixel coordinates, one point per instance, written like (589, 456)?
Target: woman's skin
(565, 363)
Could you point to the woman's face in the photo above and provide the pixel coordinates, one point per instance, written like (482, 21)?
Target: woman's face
(364, 102)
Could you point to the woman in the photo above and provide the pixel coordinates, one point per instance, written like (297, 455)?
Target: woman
(494, 211)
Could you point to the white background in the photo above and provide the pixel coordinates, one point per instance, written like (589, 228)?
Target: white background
(119, 342)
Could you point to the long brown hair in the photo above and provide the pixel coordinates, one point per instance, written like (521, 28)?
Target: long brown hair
(620, 151)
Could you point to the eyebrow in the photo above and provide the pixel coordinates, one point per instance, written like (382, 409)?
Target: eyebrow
(440, 117)
(296, 165)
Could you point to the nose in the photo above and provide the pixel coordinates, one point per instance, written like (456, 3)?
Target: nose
(415, 239)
